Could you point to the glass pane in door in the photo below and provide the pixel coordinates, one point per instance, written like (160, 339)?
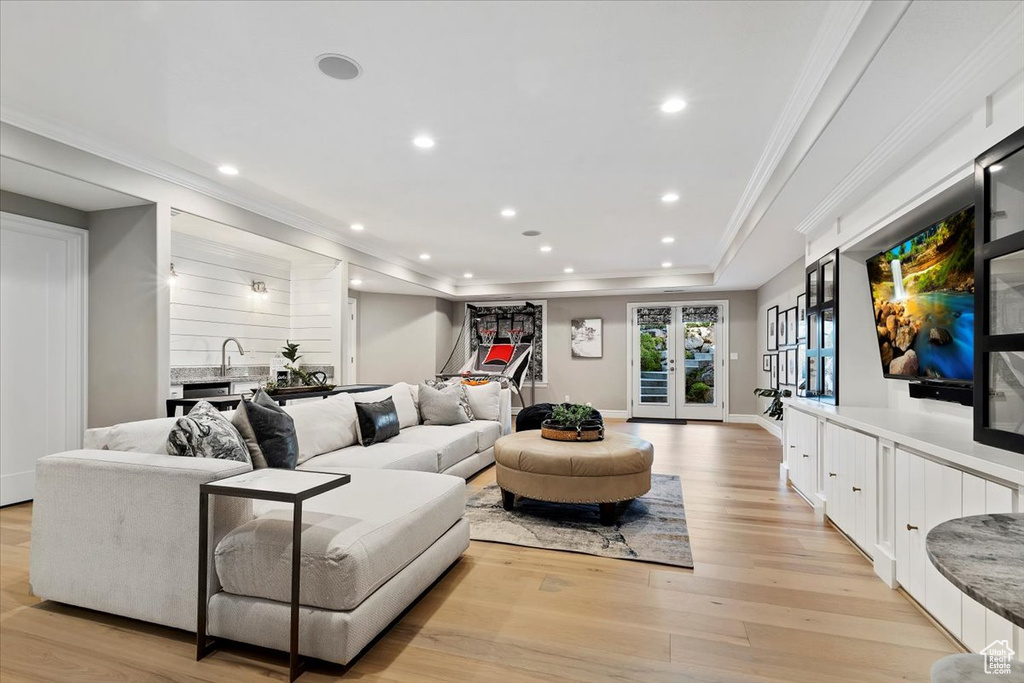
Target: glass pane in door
(699, 324)
(654, 325)
(1006, 180)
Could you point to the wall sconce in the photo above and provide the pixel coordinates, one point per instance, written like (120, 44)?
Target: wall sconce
(259, 289)
(172, 278)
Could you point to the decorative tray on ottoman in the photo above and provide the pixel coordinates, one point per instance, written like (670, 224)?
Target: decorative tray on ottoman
(590, 430)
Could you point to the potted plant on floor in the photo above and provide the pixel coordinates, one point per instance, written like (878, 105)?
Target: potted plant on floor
(572, 422)
(775, 407)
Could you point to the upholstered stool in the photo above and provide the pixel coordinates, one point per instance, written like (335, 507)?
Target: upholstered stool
(970, 668)
(604, 472)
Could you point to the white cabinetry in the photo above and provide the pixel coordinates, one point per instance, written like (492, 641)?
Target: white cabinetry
(928, 493)
(850, 483)
(802, 452)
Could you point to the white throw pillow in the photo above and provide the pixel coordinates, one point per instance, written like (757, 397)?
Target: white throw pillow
(485, 400)
(324, 425)
(143, 436)
(401, 394)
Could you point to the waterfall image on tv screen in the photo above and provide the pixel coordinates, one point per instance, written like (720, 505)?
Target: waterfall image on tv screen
(923, 295)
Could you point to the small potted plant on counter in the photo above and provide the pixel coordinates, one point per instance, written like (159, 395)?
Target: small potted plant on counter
(572, 422)
(300, 379)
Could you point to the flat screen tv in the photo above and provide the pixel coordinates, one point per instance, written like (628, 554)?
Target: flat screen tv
(923, 294)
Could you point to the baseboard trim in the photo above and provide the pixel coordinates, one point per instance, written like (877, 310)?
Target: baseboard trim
(741, 418)
(771, 426)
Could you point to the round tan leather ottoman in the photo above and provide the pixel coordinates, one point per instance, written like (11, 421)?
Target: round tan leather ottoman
(604, 472)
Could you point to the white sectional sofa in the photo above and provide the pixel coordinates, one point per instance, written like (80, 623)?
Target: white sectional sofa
(115, 528)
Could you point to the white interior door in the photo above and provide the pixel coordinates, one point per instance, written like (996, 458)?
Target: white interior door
(42, 343)
(350, 346)
(678, 361)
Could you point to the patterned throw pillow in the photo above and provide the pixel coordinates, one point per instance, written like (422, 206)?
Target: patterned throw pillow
(455, 386)
(206, 433)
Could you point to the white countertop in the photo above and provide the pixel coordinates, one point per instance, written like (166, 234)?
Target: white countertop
(944, 437)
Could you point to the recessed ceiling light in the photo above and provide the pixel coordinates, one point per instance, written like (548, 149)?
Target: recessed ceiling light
(545, 248)
(468, 276)
(668, 240)
(673, 105)
(666, 264)
(338, 66)
(424, 257)
(567, 270)
(355, 281)
(227, 169)
(358, 227)
(670, 197)
(508, 213)
(995, 168)
(423, 141)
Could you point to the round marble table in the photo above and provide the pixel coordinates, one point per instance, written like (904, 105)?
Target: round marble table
(983, 556)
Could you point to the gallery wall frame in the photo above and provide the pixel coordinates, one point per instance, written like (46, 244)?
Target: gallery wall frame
(772, 328)
(801, 317)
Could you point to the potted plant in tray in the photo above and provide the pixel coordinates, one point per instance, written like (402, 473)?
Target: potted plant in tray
(572, 422)
(307, 381)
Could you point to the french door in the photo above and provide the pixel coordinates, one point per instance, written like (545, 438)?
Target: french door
(677, 366)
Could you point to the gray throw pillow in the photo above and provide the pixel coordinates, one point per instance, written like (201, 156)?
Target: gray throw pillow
(443, 407)
(206, 433)
(268, 431)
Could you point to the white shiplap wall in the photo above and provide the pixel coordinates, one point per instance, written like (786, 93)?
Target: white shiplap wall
(316, 311)
(212, 299)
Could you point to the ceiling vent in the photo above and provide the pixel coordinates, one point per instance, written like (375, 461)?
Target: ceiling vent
(339, 67)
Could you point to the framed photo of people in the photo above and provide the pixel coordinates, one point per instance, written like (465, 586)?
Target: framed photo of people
(772, 327)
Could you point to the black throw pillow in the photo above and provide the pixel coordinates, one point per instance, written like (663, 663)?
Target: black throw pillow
(273, 429)
(377, 421)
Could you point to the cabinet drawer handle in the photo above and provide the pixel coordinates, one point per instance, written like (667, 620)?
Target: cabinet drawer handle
(792, 446)
(831, 474)
(806, 456)
(856, 488)
(911, 527)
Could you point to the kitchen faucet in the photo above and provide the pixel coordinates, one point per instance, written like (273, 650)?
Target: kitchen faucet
(224, 354)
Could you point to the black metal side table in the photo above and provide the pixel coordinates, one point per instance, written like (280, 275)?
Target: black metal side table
(286, 486)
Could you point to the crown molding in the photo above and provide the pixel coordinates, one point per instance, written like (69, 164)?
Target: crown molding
(105, 149)
(1006, 39)
(840, 22)
(848, 41)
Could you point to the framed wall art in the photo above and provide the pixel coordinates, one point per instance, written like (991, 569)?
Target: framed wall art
(772, 326)
(585, 337)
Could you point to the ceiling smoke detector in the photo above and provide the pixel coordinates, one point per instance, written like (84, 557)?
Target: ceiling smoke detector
(339, 67)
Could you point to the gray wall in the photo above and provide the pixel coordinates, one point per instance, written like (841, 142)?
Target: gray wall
(12, 202)
(780, 291)
(602, 381)
(401, 338)
(127, 340)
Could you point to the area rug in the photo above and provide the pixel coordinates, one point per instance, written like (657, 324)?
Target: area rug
(651, 528)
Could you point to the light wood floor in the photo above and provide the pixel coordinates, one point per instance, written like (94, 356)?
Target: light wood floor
(773, 597)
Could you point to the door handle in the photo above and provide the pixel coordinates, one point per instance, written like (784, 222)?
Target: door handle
(911, 527)
(856, 488)
(831, 474)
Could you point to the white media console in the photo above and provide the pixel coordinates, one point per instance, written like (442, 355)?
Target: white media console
(885, 477)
